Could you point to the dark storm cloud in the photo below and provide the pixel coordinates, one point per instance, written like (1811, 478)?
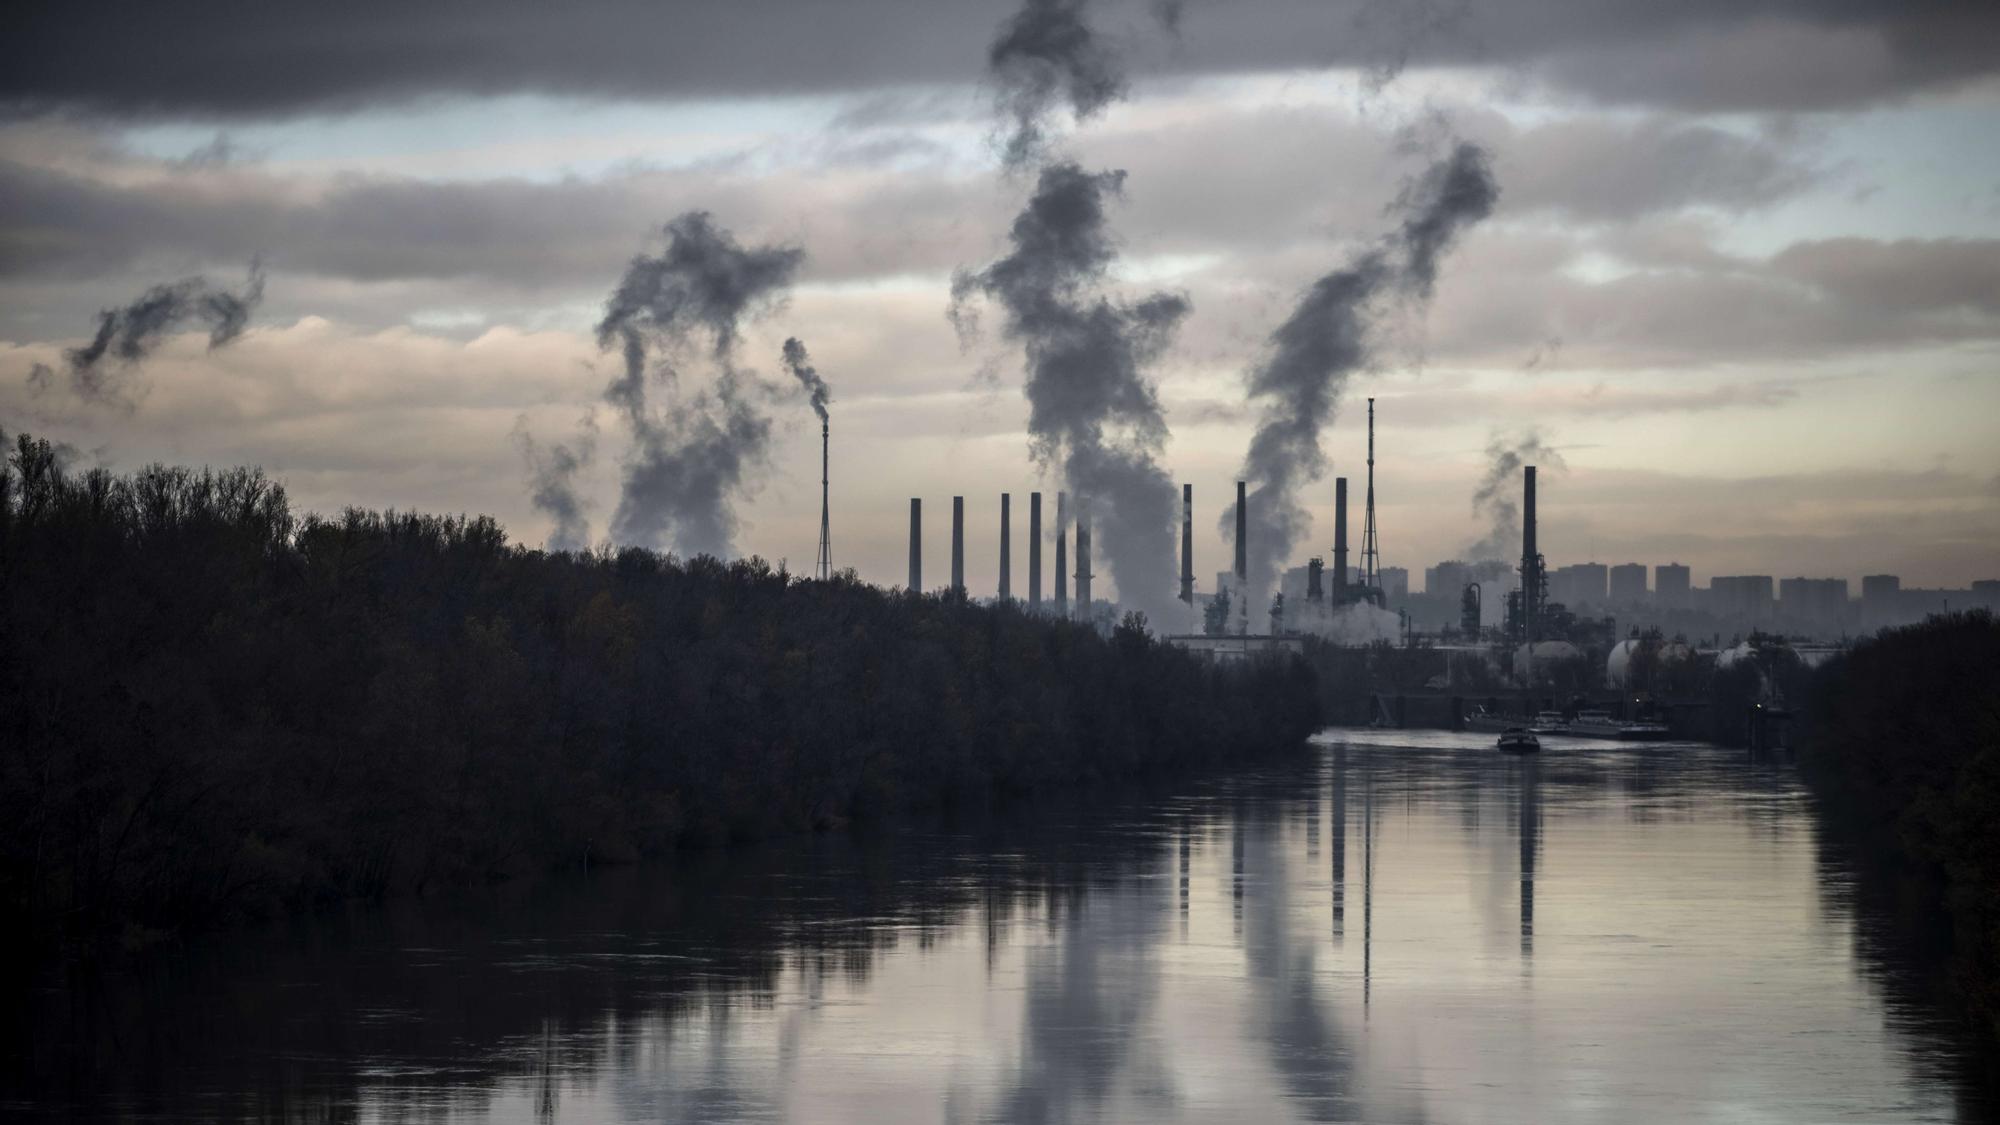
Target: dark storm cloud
(100, 370)
(220, 58)
(692, 456)
(1092, 410)
(1329, 336)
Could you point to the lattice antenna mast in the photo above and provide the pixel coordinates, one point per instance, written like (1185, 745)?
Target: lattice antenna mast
(824, 570)
(1371, 559)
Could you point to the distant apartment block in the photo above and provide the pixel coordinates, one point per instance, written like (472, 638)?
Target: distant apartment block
(1628, 584)
(1745, 596)
(1579, 584)
(1670, 586)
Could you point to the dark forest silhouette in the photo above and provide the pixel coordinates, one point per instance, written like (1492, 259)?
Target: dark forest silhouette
(213, 708)
(1903, 748)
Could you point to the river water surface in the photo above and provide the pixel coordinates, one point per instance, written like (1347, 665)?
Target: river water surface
(1397, 927)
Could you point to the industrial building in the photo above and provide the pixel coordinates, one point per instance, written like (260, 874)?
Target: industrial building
(1671, 584)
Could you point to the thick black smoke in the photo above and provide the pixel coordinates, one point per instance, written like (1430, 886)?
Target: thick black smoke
(1047, 53)
(1092, 411)
(692, 457)
(99, 370)
(1328, 337)
(1494, 501)
(552, 482)
(800, 365)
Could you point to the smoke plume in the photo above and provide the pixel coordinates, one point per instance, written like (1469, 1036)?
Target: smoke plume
(1047, 53)
(693, 456)
(552, 483)
(100, 370)
(1092, 411)
(800, 365)
(1494, 503)
(1328, 337)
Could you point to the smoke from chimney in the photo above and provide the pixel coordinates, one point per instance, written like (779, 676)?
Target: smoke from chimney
(1327, 338)
(1493, 500)
(694, 457)
(1092, 411)
(800, 365)
(552, 481)
(129, 334)
(1047, 53)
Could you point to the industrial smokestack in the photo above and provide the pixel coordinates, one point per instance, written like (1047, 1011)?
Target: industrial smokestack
(1034, 550)
(1083, 561)
(1187, 543)
(1006, 547)
(1062, 533)
(1340, 540)
(958, 544)
(916, 546)
(1315, 590)
(1531, 567)
(1242, 535)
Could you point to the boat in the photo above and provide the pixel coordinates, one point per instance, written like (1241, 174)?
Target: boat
(1491, 722)
(1600, 724)
(1519, 741)
(1549, 722)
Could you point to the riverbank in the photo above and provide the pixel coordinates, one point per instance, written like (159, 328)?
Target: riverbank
(213, 708)
(1901, 744)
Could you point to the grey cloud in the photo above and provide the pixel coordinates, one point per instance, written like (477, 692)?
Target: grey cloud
(212, 58)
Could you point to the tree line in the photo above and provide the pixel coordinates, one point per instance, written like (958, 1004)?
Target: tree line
(1902, 747)
(214, 707)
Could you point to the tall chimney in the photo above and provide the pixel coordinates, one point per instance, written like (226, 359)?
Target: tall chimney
(1006, 547)
(1062, 537)
(1340, 540)
(958, 544)
(1315, 591)
(916, 546)
(1531, 567)
(1034, 550)
(1242, 535)
(1187, 543)
(1083, 561)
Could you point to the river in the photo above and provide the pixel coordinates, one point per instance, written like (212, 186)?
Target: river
(1396, 927)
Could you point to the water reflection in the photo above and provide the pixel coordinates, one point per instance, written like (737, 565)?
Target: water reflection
(1605, 933)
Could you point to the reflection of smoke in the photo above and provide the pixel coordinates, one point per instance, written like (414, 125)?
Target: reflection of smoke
(1089, 999)
(1493, 501)
(1046, 53)
(1327, 338)
(1091, 407)
(129, 334)
(800, 365)
(552, 487)
(691, 460)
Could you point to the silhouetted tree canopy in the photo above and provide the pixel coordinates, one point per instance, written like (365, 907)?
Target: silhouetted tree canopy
(212, 707)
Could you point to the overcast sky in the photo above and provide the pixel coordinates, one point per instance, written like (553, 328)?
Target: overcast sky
(1744, 273)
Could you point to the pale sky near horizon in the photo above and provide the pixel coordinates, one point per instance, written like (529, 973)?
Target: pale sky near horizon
(1744, 274)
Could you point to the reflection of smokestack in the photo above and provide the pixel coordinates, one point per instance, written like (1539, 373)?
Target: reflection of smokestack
(1062, 556)
(1006, 547)
(1187, 543)
(916, 545)
(1034, 550)
(1242, 537)
(958, 544)
(1083, 562)
(1340, 540)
